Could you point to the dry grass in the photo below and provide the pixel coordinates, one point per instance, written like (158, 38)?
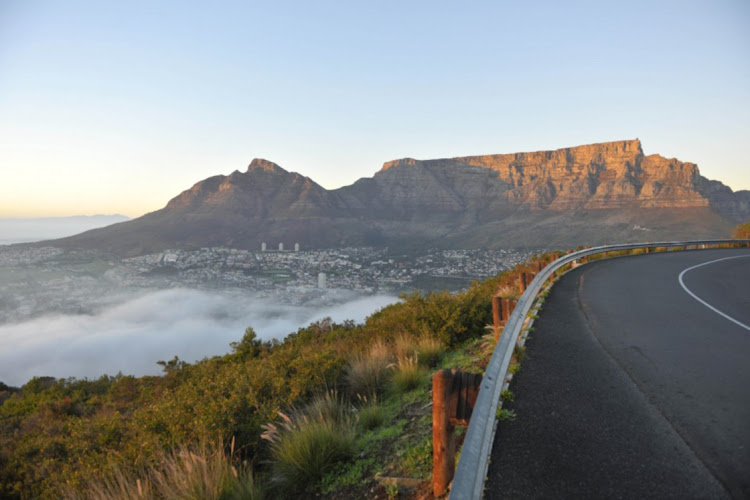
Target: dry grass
(118, 484)
(186, 473)
(408, 374)
(368, 374)
(490, 339)
(404, 346)
(509, 291)
(430, 351)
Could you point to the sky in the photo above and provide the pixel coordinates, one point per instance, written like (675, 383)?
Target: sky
(116, 107)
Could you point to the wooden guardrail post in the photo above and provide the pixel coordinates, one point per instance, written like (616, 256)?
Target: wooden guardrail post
(497, 314)
(454, 395)
(507, 306)
(525, 279)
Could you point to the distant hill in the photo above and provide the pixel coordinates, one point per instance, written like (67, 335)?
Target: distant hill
(26, 229)
(598, 193)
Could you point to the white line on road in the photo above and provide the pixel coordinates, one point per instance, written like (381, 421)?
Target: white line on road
(682, 283)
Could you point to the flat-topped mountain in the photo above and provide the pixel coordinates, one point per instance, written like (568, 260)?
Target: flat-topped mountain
(598, 193)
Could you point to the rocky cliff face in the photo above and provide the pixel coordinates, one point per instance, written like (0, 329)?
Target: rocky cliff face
(581, 195)
(596, 176)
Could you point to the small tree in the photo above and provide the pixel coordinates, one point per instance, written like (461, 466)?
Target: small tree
(249, 346)
(742, 232)
(172, 365)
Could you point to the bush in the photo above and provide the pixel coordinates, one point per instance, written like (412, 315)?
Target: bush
(742, 232)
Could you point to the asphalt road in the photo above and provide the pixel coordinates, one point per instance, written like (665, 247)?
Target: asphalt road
(632, 387)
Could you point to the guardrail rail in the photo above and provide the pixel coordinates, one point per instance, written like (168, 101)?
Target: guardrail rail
(468, 482)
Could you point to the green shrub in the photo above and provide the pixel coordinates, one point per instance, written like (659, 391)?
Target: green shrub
(741, 232)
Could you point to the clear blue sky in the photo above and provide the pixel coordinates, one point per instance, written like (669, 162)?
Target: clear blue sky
(115, 107)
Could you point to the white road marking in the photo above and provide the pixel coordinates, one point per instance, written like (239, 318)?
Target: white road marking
(682, 283)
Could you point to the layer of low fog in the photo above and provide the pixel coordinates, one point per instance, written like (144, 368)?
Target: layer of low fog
(131, 337)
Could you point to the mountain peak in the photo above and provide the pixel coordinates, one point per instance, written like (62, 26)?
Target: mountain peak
(268, 166)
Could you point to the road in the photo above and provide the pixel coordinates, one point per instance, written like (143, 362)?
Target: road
(637, 384)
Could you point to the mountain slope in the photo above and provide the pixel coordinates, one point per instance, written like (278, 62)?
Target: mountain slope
(581, 195)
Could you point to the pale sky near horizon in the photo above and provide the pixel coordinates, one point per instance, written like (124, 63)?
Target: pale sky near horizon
(116, 107)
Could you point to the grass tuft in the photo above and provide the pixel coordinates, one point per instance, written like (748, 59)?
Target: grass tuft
(509, 291)
(371, 414)
(407, 375)
(199, 472)
(430, 351)
(308, 444)
(405, 346)
(368, 374)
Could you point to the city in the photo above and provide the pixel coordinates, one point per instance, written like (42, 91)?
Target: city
(39, 280)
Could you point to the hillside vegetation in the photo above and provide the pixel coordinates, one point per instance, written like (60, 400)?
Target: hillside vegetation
(327, 410)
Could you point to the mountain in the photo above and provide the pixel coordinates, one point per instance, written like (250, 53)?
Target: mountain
(598, 193)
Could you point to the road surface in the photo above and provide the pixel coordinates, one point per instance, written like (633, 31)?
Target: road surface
(637, 384)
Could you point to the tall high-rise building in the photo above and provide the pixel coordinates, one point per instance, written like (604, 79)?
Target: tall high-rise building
(321, 280)
(263, 247)
(296, 247)
(281, 247)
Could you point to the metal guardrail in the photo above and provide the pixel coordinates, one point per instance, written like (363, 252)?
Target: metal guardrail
(468, 482)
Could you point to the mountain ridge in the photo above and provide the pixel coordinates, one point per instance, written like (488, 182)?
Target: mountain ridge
(586, 194)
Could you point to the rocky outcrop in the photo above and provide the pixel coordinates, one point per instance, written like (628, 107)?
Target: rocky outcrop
(588, 194)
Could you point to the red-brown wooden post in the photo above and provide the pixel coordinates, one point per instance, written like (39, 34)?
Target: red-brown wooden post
(443, 441)
(497, 314)
(507, 308)
(453, 398)
(525, 279)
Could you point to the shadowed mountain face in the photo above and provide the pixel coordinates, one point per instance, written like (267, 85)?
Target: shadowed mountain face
(599, 193)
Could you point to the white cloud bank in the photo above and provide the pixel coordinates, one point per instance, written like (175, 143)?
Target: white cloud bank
(133, 336)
